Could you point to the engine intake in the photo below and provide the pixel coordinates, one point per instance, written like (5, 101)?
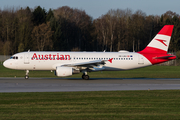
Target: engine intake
(65, 71)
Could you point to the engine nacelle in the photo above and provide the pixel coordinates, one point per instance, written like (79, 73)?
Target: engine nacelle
(63, 71)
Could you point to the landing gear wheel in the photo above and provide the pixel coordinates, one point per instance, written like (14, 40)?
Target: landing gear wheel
(85, 77)
(27, 73)
(26, 77)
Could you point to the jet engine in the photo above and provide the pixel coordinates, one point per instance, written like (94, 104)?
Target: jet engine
(65, 71)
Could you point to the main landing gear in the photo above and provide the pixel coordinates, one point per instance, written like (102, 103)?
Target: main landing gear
(85, 76)
(27, 73)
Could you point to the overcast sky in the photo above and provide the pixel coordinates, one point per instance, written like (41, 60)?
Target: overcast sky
(96, 8)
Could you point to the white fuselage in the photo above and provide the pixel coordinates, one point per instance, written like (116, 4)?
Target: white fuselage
(50, 60)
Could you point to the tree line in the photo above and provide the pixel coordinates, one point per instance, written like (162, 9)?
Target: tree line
(71, 29)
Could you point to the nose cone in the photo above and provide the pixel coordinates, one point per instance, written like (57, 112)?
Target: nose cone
(11, 64)
(8, 64)
(5, 64)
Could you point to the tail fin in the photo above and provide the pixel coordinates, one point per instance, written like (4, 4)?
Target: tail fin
(160, 42)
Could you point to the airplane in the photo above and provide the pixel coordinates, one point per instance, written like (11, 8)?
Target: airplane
(69, 63)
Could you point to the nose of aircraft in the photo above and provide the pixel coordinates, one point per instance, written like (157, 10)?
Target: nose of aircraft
(11, 64)
(5, 63)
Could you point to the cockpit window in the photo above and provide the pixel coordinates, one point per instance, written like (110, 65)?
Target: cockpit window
(14, 57)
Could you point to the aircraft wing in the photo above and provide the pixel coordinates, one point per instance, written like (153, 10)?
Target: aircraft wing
(89, 64)
(86, 64)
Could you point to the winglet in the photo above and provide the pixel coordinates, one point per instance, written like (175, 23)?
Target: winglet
(110, 60)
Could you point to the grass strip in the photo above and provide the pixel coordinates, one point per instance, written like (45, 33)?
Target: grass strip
(161, 105)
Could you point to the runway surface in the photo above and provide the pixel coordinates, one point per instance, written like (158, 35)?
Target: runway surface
(76, 84)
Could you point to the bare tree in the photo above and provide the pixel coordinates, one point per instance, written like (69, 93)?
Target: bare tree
(8, 27)
(111, 28)
(137, 28)
(101, 32)
(42, 36)
(7, 48)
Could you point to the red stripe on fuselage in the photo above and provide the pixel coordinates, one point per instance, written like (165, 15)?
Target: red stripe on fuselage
(162, 41)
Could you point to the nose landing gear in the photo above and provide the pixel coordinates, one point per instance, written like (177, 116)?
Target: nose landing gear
(27, 73)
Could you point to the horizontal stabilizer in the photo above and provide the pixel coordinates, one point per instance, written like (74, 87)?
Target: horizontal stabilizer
(166, 57)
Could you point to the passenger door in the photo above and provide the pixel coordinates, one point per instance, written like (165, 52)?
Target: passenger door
(26, 58)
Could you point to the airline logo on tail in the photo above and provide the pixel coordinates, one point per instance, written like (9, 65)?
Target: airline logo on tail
(156, 51)
(162, 41)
